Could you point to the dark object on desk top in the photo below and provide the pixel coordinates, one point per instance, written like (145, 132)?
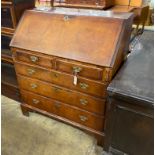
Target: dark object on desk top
(130, 111)
(136, 77)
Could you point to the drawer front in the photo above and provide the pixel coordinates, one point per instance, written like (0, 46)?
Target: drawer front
(33, 59)
(89, 2)
(79, 69)
(64, 110)
(84, 85)
(84, 2)
(6, 17)
(80, 100)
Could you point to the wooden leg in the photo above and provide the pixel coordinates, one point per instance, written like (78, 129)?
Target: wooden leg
(136, 30)
(25, 111)
(142, 29)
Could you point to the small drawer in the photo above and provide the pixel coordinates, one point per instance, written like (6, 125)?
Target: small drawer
(91, 87)
(69, 112)
(79, 69)
(33, 59)
(70, 97)
(7, 17)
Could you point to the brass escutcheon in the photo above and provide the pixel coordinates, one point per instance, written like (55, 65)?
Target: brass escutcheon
(66, 18)
(76, 69)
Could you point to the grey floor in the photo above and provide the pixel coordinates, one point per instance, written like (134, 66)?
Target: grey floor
(40, 135)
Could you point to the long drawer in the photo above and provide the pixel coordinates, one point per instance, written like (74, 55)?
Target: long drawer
(84, 85)
(84, 2)
(74, 114)
(80, 100)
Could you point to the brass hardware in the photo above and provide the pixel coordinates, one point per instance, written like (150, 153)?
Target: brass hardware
(57, 104)
(34, 58)
(30, 71)
(66, 18)
(83, 101)
(83, 86)
(35, 101)
(83, 118)
(76, 69)
(33, 85)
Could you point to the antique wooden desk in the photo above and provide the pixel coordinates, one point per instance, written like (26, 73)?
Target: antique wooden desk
(64, 60)
(130, 109)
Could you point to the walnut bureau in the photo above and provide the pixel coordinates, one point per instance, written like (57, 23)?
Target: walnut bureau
(64, 60)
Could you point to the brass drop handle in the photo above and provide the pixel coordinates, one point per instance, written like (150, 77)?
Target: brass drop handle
(35, 101)
(83, 102)
(83, 118)
(33, 85)
(76, 69)
(34, 58)
(83, 85)
(30, 71)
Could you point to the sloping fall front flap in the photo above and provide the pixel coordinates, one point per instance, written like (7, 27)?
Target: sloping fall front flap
(89, 39)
